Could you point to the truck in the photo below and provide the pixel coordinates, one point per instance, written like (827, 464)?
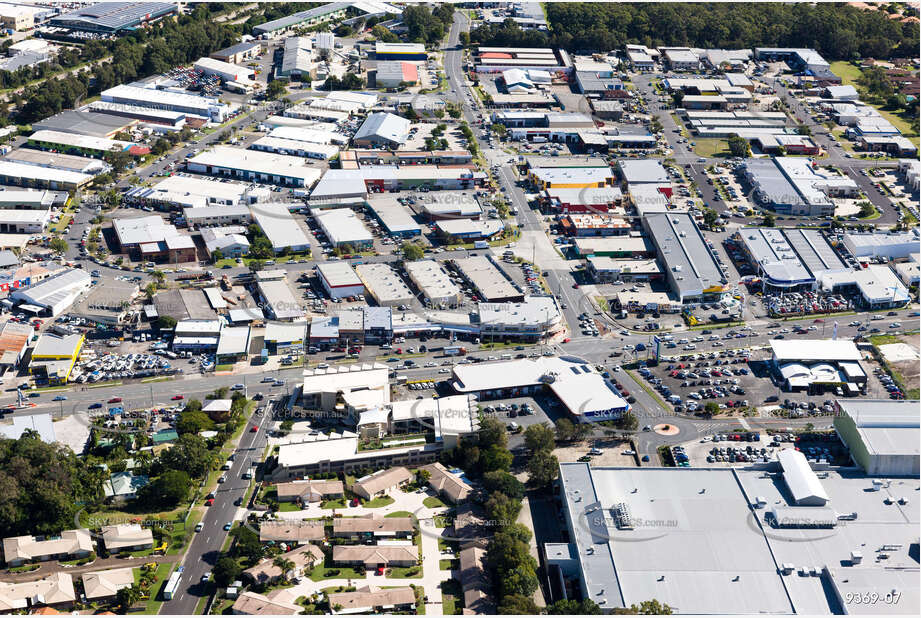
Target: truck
(455, 350)
(480, 244)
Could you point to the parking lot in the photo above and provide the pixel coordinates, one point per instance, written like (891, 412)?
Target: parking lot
(739, 449)
(723, 378)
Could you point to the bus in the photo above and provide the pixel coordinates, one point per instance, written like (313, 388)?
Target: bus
(172, 585)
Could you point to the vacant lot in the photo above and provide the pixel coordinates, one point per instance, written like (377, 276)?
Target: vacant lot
(901, 352)
(612, 452)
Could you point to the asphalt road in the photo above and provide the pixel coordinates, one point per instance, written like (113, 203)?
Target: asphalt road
(206, 545)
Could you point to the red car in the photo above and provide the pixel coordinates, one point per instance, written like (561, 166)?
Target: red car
(115, 400)
(209, 501)
(253, 429)
(566, 340)
(178, 397)
(380, 570)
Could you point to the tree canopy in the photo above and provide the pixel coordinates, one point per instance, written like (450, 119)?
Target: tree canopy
(43, 486)
(835, 30)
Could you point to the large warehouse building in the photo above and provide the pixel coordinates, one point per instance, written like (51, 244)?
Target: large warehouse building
(731, 541)
(789, 259)
(113, 17)
(689, 265)
(791, 186)
(881, 435)
(254, 165)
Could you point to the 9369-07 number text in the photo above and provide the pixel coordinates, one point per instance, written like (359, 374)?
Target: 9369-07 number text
(872, 598)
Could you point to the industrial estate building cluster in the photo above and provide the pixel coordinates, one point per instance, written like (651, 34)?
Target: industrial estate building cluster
(400, 270)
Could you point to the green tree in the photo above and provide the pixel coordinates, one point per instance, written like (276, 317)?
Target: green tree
(216, 256)
(191, 455)
(539, 438)
(247, 544)
(118, 159)
(739, 146)
(226, 571)
(381, 33)
(502, 509)
(422, 476)
(628, 422)
(710, 218)
(866, 210)
(285, 565)
(166, 322)
(276, 88)
(677, 97)
(768, 220)
(412, 252)
(651, 608)
(504, 482)
(585, 607)
(167, 490)
(518, 605)
(712, 408)
(127, 597)
(492, 433)
(543, 468)
(495, 458)
(193, 419)
(43, 486)
(564, 430)
(58, 245)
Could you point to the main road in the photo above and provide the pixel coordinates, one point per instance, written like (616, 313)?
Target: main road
(206, 545)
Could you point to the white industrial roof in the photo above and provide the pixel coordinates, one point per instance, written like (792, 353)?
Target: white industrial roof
(79, 141)
(234, 340)
(886, 427)
(384, 284)
(815, 350)
(643, 170)
(338, 274)
(342, 226)
(12, 169)
(280, 299)
(228, 157)
(802, 482)
(279, 226)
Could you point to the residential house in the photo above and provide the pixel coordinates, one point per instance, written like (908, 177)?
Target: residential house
(376, 556)
(104, 585)
(69, 545)
(381, 482)
(448, 485)
(56, 591)
(309, 491)
(304, 558)
(373, 600)
(123, 487)
(291, 531)
(253, 604)
(475, 581)
(126, 537)
(373, 527)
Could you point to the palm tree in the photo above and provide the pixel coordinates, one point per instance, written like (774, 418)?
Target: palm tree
(127, 597)
(285, 565)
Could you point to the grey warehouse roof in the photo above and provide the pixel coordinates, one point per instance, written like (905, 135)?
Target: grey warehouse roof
(682, 249)
(383, 125)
